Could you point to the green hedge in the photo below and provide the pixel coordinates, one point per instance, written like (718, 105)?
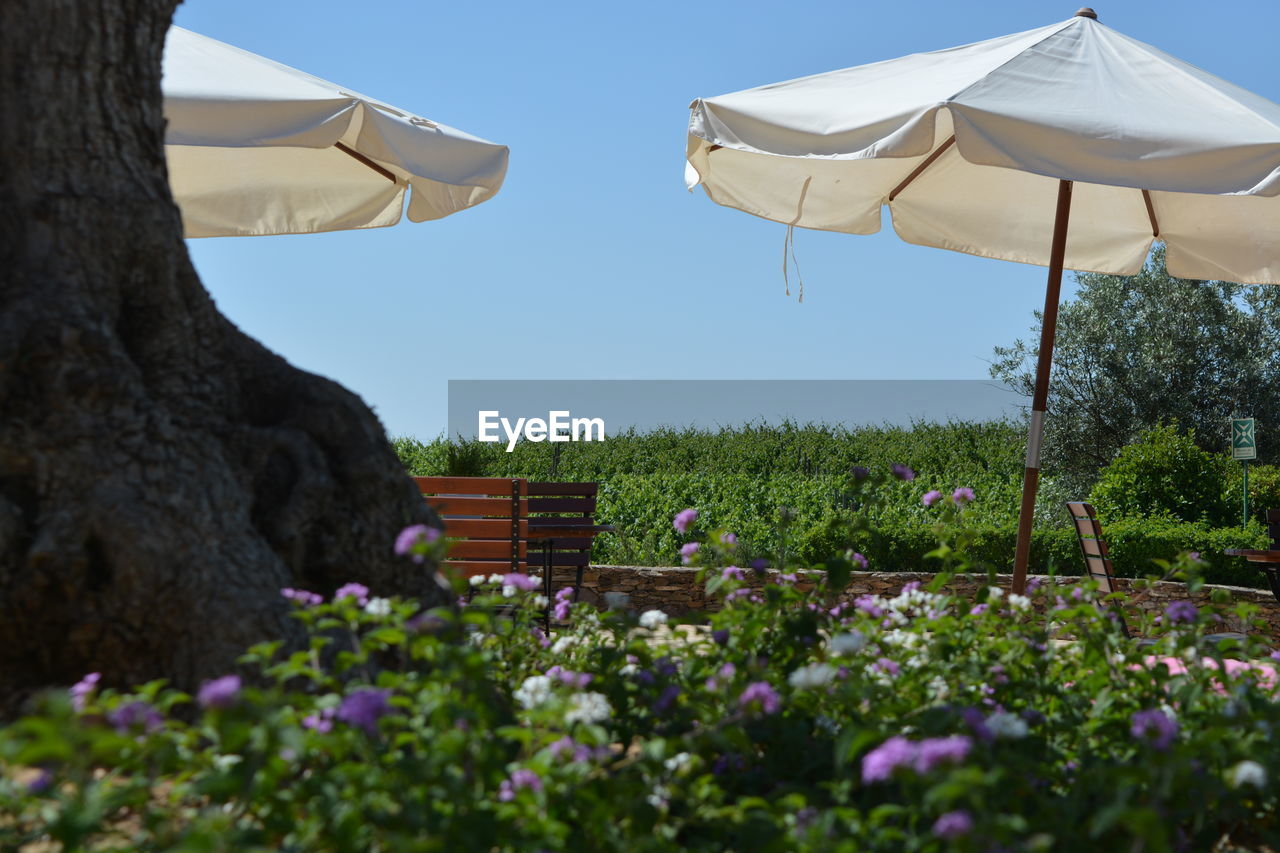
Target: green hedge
(738, 478)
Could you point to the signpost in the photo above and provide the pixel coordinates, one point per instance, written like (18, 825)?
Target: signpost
(1244, 446)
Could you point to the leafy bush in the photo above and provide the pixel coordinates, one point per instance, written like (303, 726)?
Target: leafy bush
(1164, 474)
(786, 721)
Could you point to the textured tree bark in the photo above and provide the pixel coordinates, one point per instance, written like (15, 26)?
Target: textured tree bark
(162, 475)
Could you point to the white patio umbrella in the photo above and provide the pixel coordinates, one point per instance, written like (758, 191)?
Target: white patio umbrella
(256, 147)
(1071, 145)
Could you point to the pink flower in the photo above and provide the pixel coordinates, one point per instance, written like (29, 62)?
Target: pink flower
(220, 692)
(687, 551)
(732, 573)
(520, 581)
(953, 825)
(302, 597)
(879, 763)
(931, 498)
(82, 688)
(683, 519)
(962, 495)
(413, 539)
(858, 560)
(358, 591)
(760, 696)
(728, 539)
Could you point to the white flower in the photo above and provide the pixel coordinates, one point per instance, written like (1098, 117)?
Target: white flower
(677, 762)
(1019, 602)
(563, 644)
(1005, 725)
(652, 619)
(540, 601)
(658, 799)
(508, 591)
(535, 691)
(812, 676)
(1247, 773)
(629, 669)
(938, 687)
(378, 607)
(226, 762)
(827, 724)
(847, 644)
(587, 708)
(477, 580)
(495, 578)
(994, 593)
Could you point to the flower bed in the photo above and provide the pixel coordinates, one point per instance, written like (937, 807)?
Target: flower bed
(790, 719)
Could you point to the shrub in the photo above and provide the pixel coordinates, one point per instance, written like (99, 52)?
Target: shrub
(1163, 474)
(788, 720)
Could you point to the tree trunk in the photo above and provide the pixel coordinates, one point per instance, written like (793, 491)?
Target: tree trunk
(162, 475)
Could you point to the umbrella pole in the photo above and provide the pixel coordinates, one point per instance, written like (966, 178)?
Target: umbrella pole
(1039, 400)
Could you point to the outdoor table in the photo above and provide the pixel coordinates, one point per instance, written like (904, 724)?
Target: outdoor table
(547, 534)
(1267, 561)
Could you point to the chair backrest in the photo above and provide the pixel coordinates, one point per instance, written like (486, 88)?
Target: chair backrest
(1097, 557)
(564, 505)
(1273, 528)
(488, 519)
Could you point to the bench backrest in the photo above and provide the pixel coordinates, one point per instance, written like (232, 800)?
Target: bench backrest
(488, 519)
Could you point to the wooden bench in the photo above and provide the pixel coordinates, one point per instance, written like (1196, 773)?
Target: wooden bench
(488, 518)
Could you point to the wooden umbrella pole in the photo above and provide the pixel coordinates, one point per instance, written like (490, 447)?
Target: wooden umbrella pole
(1040, 399)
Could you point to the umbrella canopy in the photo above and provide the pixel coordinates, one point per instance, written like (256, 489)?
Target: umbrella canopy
(1067, 146)
(255, 147)
(1153, 144)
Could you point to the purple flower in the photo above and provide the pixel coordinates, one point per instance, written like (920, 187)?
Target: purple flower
(887, 666)
(302, 597)
(41, 783)
(136, 715)
(721, 638)
(953, 825)
(932, 497)
(880, 762)
(683, 519)
(860, 473)
(962, 495)
(867, 604)
(409, 540)
(858, 560)
(687, 551)
(937, 750)
(220, 692)
(520, 581)
(978, 609)
(1181, 611)
(321, 721)
(1155, 726)
(522, 778)
(82, 688)
(563, 603)
(732, 573)
(569, 677)
(358, 591)
(977, 723)
(666, 699)
(902, 472)
(760, 696)
(363, 709)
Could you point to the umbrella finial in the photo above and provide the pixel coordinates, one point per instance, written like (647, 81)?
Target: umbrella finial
(1086, 12)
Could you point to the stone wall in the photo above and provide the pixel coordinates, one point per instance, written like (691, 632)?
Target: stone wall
(677, 591)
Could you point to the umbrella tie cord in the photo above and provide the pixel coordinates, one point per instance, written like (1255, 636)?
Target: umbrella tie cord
(789, 244)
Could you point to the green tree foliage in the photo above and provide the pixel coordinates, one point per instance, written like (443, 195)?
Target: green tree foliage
(1136, 351)
(1164, 475)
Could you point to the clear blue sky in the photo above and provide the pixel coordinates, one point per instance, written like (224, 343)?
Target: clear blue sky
(593, 236)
